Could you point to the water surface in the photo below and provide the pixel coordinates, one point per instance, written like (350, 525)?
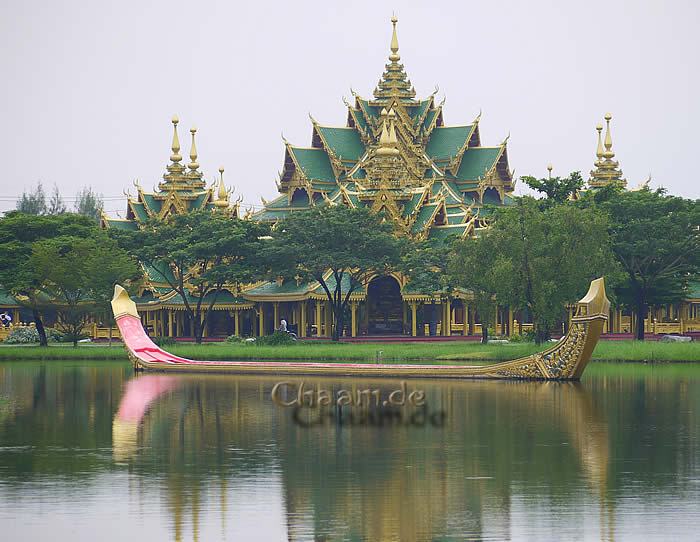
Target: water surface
(90, 451)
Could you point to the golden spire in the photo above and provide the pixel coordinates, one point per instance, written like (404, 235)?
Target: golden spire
(175, 156)
(222, 196)
(394, 56)
(599, 150)
(394, 83)
(193, 165)
(607, 170)
(175, 178)
(388, 140)
(549, 170)
(608, 138)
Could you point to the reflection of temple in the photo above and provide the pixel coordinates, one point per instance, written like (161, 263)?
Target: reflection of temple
(211, 435)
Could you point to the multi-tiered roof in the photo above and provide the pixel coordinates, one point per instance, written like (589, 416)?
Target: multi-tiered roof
(396, 156)
(182, 189)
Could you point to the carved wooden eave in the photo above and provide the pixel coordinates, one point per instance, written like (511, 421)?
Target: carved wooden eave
(437, 121)
(372, 121)
(420, 120)
(472, 140)
(354, 123)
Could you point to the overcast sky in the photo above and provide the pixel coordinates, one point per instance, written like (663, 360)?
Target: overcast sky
(89, 87)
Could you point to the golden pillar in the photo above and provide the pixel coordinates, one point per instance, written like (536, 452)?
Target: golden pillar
(204, 322)
(329, 320)
(465, 319)
(353, 318)
(318, 318)
(237, 323)
(261, 318)
(170, 324)
(302, 319)
(276, 312)
(510, 321)
(445, 319)
(414, 319)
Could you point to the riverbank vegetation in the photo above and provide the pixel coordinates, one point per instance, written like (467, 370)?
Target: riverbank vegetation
(434, 352)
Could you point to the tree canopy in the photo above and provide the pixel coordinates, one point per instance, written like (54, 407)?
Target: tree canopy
(18, 274)
(656, 239)
(339, 247)
(78, 274)
(538, 259)
(557, 189)
(198, 254)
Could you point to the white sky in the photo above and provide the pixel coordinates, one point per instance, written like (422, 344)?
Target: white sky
(89, 87)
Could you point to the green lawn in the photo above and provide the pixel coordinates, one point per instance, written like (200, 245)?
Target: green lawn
(439, 352)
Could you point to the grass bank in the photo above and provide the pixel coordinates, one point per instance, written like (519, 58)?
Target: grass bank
(448, 352)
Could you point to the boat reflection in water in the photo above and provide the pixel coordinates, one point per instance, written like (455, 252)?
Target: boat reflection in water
(218, 442)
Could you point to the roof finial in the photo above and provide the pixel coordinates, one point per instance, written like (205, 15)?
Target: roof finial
(222, 195)
(394, 56)
(193, 165)
(549, 170)
(608, 138)
(599, 151)
(175, 156)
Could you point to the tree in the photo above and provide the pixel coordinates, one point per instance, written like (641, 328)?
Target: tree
(557, 189)
(198, 255)
(339, 247)
(89, 203)
(33, 203)
(478, 266)
(18, 232)
(425, 265)
(56, 205)
(547, 257)
(656, 240)
(77, 274)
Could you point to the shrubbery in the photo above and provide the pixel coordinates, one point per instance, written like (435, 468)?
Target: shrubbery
(234, 339)
(29, 335)
(276, 339)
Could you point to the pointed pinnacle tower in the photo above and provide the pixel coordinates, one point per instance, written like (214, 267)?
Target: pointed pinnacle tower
(221, 201)
(175, 175)
(394, 82)
(607, 170)
(387, 140)
(194, 175)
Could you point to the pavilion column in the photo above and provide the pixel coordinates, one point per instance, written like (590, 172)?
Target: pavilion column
(404, 322)
(465, 319)
(329, 320)
(445, 319)
(510, 321)
(318, 318)
(353, 318)
(276, 314)
(170, 323)
(261, 319)
(237, 323)
(414, 318)
(302, 319)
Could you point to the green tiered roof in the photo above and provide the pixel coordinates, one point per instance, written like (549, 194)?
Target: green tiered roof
(429, 165)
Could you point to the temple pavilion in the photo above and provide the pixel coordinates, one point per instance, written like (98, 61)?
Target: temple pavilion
(396, 155)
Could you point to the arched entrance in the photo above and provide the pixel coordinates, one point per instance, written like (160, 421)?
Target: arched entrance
(384, 306)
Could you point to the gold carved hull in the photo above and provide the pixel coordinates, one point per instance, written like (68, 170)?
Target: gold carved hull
(566, 360)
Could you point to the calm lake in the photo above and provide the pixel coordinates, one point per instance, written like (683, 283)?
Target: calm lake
(88, 451)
